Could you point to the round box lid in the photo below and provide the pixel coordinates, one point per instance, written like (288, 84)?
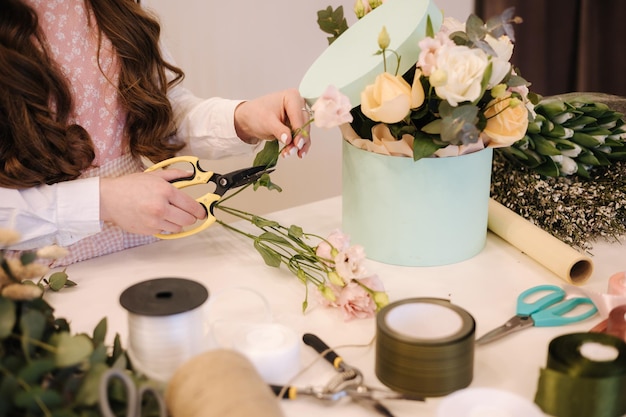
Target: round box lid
(350, 63)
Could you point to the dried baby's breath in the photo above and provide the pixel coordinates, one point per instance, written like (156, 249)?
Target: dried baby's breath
(575, 210)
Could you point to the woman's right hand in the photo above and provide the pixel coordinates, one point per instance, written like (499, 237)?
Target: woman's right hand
(146, 203)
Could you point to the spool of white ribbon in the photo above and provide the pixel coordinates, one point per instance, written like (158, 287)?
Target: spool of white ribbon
(165, 324)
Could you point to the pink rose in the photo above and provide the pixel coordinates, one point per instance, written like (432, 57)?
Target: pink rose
(332, 108)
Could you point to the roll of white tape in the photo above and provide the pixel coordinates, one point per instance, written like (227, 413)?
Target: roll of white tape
(273, 349)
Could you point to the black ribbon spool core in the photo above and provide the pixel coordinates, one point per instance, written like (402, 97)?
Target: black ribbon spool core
(163, 297)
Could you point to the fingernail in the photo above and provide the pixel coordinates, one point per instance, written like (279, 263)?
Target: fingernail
(303, 154)
(301, 143)
(283, 138)
(293, 151)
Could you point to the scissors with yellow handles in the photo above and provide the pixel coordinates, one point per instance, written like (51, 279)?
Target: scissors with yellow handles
(551, 309)
(223, 183)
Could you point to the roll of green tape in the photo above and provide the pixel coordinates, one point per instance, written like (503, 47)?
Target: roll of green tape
(585, 375)
(425, 347)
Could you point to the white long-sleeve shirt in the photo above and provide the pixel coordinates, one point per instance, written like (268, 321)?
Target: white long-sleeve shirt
(68, 213)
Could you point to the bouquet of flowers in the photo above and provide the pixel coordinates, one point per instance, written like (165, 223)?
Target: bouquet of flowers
(461, 96)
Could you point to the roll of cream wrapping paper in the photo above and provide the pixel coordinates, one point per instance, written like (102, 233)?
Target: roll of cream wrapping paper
(555, 255)
(220, 383)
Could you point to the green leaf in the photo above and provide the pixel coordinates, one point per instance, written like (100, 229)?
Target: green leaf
(57, 280)
(549, 168)
(261, 222)
(32, 325)
(28, 257)
(100, 332)
(7, 317)
(270, 256)
(295, 231)
(34, 371)
(423, 146)
(272, 237)
(585, 140)
(71, 350)
(430, 31)
(544, 146)
(268, 156)
(88, 393)
(31, 399)
(588, 158)
(266, 181)
(332, 22)
(99, 355)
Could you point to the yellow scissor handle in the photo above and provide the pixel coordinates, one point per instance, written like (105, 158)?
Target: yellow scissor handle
(198, 177)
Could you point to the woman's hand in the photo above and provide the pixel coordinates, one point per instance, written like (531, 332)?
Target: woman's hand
(275, 116)
(146, 203)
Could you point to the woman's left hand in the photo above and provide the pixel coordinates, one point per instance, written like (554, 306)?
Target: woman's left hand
(275, 116)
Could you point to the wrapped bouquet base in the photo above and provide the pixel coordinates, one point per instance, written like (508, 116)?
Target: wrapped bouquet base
(416, 213)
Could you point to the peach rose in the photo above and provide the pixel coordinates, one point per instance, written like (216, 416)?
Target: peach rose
(390, 98)
(507, 122)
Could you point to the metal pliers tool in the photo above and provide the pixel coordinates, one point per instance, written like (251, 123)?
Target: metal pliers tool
(347, 384)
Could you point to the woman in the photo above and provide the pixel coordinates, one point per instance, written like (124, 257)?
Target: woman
(85, 94)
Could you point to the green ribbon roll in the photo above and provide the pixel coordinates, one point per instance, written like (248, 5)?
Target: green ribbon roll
(424, 347)
(573, 384)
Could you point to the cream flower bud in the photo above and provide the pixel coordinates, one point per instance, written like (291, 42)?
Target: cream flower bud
(52, 252)
(22, 292)
(499, 91)
(438, 78)
(381, 299)
(327, 293)
(336, 279)
(383, 39)
(359, 9)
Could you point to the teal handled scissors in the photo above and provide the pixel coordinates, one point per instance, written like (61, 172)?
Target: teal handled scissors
(550, 309)
(133, 396)
(198, 176)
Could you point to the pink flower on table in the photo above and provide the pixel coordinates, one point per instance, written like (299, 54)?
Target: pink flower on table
(336, 242)
(332, 108)
(349, 263)
(356, 301)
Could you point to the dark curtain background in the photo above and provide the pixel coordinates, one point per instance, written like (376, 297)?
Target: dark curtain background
(568, 45)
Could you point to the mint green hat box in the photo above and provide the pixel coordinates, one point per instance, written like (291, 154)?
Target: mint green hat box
(425, 213)
(416, 213)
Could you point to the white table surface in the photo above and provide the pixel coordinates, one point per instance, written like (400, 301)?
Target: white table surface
(486, 286)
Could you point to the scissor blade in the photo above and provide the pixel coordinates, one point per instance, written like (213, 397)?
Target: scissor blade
(515, 324)
(239, 178)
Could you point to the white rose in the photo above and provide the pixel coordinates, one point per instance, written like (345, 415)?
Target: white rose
(464, 68)
(500, 63)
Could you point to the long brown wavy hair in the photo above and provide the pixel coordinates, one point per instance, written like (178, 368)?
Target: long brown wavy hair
(38, 144)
